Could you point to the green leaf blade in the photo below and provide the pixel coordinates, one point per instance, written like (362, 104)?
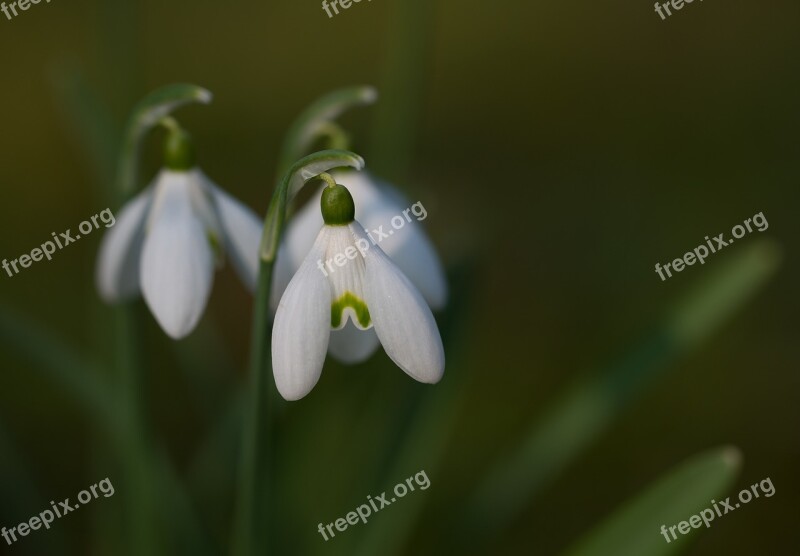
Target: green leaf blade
(635, 528)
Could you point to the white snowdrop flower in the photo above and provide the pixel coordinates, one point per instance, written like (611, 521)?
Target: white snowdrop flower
(168, 238)
(409, 248)
(368, 293)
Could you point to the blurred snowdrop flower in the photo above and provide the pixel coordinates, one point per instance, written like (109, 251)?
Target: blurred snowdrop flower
(410, 249)
(168, 238)
(368, 297)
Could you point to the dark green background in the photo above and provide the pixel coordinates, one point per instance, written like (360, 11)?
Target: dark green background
(564, 147)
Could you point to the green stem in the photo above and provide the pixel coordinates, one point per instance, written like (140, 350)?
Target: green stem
(252, 513)
(255, 454)
(316, 122)
(136, 445)
(328, 179)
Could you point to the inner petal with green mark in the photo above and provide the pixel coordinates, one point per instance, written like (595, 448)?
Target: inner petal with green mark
(346, 275)
(349, 305)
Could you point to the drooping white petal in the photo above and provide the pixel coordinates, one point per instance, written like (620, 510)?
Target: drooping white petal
(408, 246)
(298, 239)
(241, 233)
(396, 224)
(403, 321)
(177, 262)
(117, 271)
(351, 345)
(302, 326)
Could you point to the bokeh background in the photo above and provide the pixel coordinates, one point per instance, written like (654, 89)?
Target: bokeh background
(561, 149)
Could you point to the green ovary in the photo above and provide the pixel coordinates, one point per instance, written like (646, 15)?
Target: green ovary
(358, 306)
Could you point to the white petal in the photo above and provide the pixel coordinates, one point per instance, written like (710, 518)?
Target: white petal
(403, 321)
(117, 272)
(298, 239)
(409, 247)
(302, 327)
(351, 345)
(177, 261)
(282, 273)
(241, 233)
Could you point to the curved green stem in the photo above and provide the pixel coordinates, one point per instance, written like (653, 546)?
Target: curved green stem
(149, 112)
(328, 179)
(252, 515)
(335, 136)
(302, 171)
(316, 122)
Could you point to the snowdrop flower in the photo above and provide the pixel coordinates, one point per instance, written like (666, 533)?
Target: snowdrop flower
(368, 292)
(410, 249)
(168, 238)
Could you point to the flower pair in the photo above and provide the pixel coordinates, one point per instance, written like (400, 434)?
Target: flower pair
(169, 239)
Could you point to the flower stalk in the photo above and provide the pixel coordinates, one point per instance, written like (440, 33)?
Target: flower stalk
(136, 444)
(252, 515)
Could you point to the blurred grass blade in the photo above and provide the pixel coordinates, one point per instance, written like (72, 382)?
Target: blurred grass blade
(155, 106)
(188, 536)
(22, 498)
(590, 406)
(635, 529)
(404, 85)
(90, 122)
(706, 308)
(62, 366)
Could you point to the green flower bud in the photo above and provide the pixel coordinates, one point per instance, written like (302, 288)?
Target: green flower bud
(338, 208)
(179, 153)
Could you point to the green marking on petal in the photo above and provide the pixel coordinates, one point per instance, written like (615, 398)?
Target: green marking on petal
(349, 300)
(216, 245)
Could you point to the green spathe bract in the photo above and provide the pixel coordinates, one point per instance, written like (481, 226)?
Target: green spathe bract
(338, 208)
(150, 111)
